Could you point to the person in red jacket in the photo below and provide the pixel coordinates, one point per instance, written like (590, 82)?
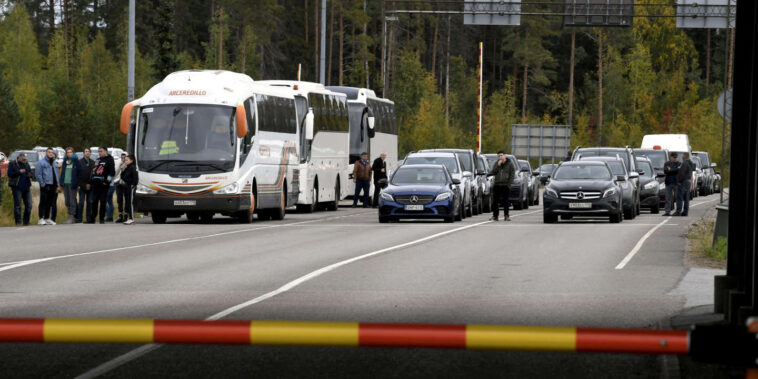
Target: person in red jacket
(362, 180)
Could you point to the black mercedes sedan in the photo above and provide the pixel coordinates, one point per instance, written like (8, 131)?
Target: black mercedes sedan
(583, 188)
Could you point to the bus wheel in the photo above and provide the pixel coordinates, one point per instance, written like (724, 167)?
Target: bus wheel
(278, 213)
(158, 217)
(334, 205)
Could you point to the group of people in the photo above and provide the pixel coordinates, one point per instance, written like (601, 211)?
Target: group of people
(87, 185)
(678, 183)
(362, 174)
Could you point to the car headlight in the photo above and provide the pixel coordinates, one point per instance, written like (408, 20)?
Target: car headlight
(549, 192)
(145, 190)
(386, 196)
(442, 197)
(609, 192)
(651, 185)
(230, 189)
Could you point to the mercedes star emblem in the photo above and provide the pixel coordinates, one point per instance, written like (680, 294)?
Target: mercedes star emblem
(414, 199)
(580, 195)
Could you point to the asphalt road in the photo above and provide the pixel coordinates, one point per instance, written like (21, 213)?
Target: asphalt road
(520, 272)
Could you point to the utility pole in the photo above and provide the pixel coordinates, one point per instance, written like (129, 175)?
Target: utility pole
(365, 33)
(130, 59)
(600, 84)
(322, 65)
(571, 81)
(447, 76)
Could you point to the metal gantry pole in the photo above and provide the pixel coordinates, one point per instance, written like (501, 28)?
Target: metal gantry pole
(322, 64)
(130, 59)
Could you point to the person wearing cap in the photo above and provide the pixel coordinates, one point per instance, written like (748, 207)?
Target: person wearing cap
(671, 169)
(20, 181)
(362, 180)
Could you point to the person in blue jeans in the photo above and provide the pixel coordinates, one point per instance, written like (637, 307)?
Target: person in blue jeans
(362, 180)
(671, 169)
(20, 181)
(684, 178)
(85, 189)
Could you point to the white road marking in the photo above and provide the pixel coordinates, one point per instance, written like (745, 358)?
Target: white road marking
(144, 349)
(5, 266)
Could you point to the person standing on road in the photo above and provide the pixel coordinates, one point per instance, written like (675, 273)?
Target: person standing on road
(670, 168)
(102, 175)
(85, 188)
(48, 177)
(504, 172)
(114, 187)
(379, 167)
(70, 183)
(684, 181)
(128, 183)
(362, 180)
(20, 181)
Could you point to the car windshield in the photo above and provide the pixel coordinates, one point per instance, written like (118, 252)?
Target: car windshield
(419, 175)
(703, 159)
(658, 157)
(524, 166)
(197, 138)
(547, 168)
(448, 162)
(465, 161)
(621, 154)
(646, 168)
(589, 172)
(617, 167)
(697, 162)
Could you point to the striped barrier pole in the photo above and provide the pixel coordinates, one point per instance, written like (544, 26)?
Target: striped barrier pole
(296, 333)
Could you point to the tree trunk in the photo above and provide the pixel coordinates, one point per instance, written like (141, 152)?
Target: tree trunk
(600, 85)
(571, 81)
(342, 45)
(51, 21)
(389, 62)
(306, 22)
(707, 58)
(331, 43)
(66, 42)
(315, 40)
(384, 51)
(447, 76)
(220, 38)
(731, 60)
(434, 49)
(244, 48)
(526, 73)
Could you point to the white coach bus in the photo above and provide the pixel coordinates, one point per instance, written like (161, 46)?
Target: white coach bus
(209, 142)
(374, 136)
(324, 166)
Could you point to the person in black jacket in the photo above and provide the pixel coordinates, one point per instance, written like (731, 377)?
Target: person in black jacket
(85, 189)
(70, 182)
(20, 181)
(684, 181)
(380, 172)
(100, 180)
(128, 183)
(670, 168)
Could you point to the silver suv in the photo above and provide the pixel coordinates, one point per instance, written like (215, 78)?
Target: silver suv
(471, 166)
(454, 166)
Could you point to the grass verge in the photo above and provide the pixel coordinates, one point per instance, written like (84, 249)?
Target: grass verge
(700, 235)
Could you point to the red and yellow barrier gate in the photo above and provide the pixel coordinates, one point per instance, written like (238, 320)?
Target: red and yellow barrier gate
(345, 334)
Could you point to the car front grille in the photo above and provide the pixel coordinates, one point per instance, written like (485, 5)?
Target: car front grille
(583, 196)
(421, 199)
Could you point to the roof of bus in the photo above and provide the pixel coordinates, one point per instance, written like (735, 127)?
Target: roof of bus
(358, 94)
(301, 86)
(206, 87)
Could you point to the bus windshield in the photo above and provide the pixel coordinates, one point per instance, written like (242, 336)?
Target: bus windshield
(187, 138)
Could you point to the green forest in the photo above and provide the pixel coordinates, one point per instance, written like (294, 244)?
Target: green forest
(64, 71)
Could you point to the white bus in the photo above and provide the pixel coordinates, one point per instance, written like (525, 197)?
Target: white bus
(209, 142)
(323, 160)
(374, 137)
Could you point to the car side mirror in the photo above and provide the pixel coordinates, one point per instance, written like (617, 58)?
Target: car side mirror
(660, 176)
(718, 172)
(467, 174)
(536, 173)
(641, 172)
(524, 170)
(633, 175)
(714, 165)
(481, 172)
(544, 179)
(456, 181)
(620, 178)
(309, 125)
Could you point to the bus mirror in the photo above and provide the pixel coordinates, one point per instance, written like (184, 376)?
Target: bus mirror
(309, 125)
(241, 121)
(126, 118)
(371, 121)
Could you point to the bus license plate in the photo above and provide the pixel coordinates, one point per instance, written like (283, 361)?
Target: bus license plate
(414, 207)
(185, 203)
(580, 205)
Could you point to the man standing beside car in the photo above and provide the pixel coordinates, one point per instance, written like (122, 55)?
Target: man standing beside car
(379, 167)
(670, 168)
(504, 172)
(85, 188)
(48, 177)
(684, 180)
(362, 180)
(70, 183)
(20, 181)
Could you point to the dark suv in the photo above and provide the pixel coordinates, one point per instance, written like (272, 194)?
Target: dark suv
(583, 188)
(519, 191)
(625, 153)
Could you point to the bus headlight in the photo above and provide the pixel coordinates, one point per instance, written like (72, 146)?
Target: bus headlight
(442, 197)
(228, 190)
(145, 190)
(386, 197)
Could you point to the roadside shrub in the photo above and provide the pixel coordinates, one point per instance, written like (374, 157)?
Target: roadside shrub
(718, 250)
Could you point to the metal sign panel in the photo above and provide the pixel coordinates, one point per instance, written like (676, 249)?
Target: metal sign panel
(488, 12)
(706, 14)
(540, 141)
(598, 12)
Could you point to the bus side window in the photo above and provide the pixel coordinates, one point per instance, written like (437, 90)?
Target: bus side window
(251, 118)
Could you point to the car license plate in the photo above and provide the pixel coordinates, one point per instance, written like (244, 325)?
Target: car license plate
(414, 207)
(185, 203)
(580, 205)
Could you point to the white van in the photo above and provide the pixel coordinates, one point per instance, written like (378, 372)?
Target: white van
(671, 142)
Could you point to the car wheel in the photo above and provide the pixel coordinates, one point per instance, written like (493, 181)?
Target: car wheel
(488, 203)
(615, 218)
(459, 215)
(481, 204)
(548, 218)
(383, 220)
(526, 204)
(519, 205)
(470, 209)
(475, 206)
(448, 219)
(158, 217)
(655, 209)
(639, 207)
(629, 213)
(537, 199)
(462, 210)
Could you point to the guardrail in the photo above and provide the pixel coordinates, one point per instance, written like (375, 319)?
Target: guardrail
(718, 344)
